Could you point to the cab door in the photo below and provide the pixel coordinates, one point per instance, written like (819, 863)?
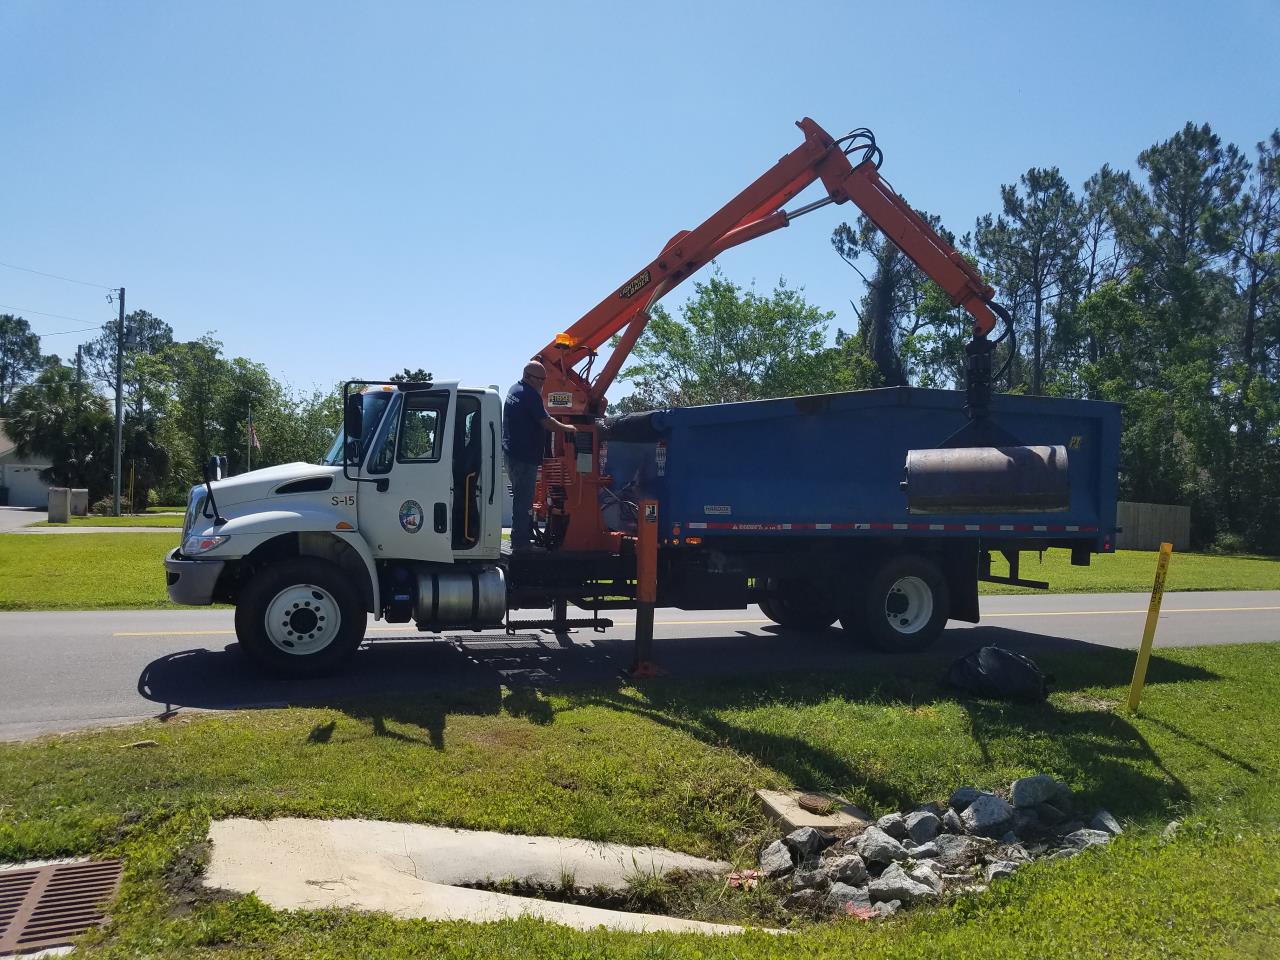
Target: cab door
(477, 475)
(406, 513)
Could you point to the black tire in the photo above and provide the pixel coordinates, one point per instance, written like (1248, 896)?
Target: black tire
(768, 609)
(904, 606)
(798, 605)
(307, 594)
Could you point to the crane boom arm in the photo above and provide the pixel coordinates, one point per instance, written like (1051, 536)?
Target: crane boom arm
(754, 212)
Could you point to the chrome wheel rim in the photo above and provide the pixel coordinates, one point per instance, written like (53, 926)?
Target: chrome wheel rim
(302, 619)
(908, 606)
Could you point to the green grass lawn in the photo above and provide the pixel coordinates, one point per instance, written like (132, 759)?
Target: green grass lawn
(129, 520)
(675, 763)
(121, 571)
(170, 509)
(1127, 570)
(93, 571)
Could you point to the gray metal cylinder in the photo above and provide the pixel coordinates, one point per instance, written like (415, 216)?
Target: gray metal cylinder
(468, 597)
(988, 480)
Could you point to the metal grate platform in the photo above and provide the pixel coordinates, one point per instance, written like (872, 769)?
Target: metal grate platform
(50, 906)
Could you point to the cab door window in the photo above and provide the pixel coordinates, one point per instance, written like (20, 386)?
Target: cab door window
(421, 427)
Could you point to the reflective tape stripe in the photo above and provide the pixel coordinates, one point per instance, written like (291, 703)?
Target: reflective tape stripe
(880, 525)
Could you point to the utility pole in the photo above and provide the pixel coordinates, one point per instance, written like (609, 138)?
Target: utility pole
(119, 402)
(79, 377)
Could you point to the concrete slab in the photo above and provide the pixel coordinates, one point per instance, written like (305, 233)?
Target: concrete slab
(408, 869)
(785, 809)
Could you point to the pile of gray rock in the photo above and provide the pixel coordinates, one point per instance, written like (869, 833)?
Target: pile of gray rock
(904, 859)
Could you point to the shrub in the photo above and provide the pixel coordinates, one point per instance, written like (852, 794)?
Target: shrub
(106, 506)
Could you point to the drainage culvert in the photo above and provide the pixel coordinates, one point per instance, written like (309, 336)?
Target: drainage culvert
(438, 873)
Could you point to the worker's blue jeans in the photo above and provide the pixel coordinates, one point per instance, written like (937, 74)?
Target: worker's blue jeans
(523, 477)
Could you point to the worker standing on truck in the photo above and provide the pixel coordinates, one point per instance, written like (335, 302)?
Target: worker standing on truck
(524, 422)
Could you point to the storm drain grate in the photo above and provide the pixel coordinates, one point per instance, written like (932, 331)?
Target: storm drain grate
(50, 906)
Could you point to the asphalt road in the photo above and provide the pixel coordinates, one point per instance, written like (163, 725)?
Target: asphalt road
(64, 671)
(15, 518)
(20, 520)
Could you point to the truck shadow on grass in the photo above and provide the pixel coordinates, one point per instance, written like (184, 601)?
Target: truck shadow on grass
(418, 683)
(1079, 736)
(772, 711)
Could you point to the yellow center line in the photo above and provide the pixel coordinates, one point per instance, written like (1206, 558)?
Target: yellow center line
(1103, 613)
(681, 623)
(404, 628)
(178, 633)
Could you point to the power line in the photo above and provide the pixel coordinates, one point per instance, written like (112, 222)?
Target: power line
(56, 316)
(54, 276)
(59, 333)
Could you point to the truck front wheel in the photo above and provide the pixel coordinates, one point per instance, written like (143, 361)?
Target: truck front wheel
(300, 618)
(904, 607)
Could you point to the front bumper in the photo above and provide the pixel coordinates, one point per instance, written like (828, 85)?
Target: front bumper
(191, 581)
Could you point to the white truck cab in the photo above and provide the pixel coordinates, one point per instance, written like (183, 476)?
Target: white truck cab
(402, 519)
(428, 482)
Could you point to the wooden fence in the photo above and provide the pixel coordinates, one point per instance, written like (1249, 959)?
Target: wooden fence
(1143, 526)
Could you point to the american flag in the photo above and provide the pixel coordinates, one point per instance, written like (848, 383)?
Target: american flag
(253, 437)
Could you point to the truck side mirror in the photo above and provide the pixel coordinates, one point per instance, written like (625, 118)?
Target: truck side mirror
(216, 468)
(353, 416)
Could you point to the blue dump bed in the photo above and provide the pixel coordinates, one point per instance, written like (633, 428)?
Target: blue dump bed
(832, 466)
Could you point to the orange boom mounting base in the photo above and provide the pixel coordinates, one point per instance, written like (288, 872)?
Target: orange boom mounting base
(570, 483)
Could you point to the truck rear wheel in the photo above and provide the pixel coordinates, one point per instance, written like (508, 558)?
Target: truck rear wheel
(300, 618)
(904, 607)
(798, 604)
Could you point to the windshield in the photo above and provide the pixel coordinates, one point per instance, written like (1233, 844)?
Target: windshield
(374, 405)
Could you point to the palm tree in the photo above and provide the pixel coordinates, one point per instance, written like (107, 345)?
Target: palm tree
(67, 423)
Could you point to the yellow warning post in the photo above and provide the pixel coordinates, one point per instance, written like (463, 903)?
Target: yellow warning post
(1149, 632)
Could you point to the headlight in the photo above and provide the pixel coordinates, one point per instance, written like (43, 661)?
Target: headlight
(195, 545)
(195, 506)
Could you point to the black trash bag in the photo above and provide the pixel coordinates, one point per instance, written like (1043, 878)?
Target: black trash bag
(999, 674)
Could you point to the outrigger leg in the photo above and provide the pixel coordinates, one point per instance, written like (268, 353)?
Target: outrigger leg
(642, 665)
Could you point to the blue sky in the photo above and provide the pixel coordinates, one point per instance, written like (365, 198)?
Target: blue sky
(341, 189)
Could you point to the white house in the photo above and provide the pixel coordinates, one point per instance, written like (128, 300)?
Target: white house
(21, 475)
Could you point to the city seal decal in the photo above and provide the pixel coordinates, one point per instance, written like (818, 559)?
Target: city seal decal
(411, 516)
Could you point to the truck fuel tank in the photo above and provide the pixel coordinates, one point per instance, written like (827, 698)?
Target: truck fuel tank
(469, 597)
(987, 480)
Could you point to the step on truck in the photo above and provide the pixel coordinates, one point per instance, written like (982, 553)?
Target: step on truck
(879, 510)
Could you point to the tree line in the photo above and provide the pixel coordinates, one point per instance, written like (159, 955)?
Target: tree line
(1158, 288)
(183, 402)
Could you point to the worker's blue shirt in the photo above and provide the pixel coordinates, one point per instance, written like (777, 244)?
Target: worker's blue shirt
(522, 430)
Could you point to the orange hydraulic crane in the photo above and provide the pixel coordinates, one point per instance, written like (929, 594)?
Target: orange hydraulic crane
(571, 478)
